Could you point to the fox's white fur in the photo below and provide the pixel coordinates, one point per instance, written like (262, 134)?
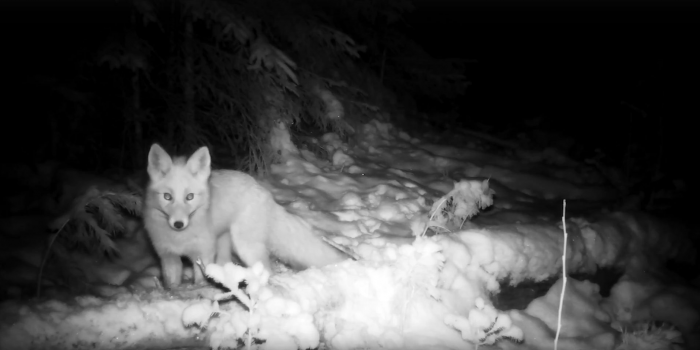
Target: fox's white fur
(191, 211)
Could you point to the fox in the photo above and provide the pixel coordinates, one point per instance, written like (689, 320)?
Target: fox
(195, 212)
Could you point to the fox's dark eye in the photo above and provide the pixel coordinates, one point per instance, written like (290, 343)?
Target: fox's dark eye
(190, 196)
(167, 196)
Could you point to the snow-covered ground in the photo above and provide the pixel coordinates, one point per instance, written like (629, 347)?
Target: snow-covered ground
(436, 231)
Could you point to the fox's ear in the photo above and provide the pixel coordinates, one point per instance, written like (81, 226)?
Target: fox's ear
(199, 163)
(159, 162)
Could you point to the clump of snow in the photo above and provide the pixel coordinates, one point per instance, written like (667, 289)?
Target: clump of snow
(354, 304)
(280, 140)
(485, 325)
(460, 204)
(89, 322)
(342, 159)
(277, 320)
(633, 301)
(649, 336)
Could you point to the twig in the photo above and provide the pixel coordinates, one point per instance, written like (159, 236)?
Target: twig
(46, 258)
(432, 216)
(563, 287)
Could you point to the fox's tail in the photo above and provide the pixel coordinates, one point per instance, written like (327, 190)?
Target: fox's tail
(295, 243)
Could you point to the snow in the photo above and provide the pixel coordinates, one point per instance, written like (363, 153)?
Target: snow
(428, 260)
(89, 322)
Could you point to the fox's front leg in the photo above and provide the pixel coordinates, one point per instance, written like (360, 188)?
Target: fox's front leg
(203, 257)
(171, 270)
(224, 249)
(200, 263)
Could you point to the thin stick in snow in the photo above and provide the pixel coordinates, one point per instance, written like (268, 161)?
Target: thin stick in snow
(563, 272)
(432, 216)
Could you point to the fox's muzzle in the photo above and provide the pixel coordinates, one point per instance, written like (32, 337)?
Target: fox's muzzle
(180, 222)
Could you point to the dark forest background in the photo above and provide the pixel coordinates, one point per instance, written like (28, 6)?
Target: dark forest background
(93, 84)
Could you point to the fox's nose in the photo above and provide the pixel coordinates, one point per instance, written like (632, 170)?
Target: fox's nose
(178, 223)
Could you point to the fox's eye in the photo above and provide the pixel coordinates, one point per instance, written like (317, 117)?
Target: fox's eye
(167, 196)
(190, 196)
